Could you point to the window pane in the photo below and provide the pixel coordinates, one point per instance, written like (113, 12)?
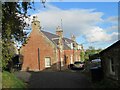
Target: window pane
(47, 62)
(112, 67)
(113, 70)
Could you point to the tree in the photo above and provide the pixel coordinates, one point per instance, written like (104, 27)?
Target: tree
(13, 16)
(82, 55)
(13, 24)
(0, 36)
(91, 51)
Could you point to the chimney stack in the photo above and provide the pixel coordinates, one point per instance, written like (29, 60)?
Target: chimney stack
(59, 31)
(35, 24)
(73, 37)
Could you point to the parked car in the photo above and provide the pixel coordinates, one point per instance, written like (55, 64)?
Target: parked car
(77, 65)
(96, 63)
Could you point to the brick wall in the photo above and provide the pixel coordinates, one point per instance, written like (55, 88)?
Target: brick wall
(75, 54)
(36, 40)
(30, 51)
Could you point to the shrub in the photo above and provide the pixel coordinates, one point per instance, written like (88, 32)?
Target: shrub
(10, 81)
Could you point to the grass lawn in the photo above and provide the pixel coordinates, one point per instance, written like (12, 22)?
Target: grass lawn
(10, 81)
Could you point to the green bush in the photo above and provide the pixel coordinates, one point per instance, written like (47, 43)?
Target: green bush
(10, 81)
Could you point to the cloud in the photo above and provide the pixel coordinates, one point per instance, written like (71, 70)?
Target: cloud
(114, 36)
(97, 34)
(76, 21)
(112, 28)
(112, 19)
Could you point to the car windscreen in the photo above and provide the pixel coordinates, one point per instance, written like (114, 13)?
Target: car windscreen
(78, 63)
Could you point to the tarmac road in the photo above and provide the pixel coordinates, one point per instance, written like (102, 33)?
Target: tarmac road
(54, 79)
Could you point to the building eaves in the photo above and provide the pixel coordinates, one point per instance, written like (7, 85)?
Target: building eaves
(112, 46)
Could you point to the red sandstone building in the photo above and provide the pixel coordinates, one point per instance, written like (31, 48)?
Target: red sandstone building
(46, 50)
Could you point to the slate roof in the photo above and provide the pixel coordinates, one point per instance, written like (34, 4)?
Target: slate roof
(55, 38)
(116, 44)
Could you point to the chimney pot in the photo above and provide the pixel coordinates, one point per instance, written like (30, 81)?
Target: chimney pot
(35, 24)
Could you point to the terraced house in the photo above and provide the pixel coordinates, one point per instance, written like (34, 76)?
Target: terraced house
(46, 50)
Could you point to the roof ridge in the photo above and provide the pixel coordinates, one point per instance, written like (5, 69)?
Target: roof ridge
(49, 33)
(114, 44)
(55, 34)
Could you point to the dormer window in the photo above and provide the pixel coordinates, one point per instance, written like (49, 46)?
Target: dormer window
(66, 41)
(71, 45)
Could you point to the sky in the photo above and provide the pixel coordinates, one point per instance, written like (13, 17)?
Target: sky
(92, 23)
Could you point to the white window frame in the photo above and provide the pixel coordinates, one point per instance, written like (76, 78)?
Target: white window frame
(62, 62)
(112, 65)
(46, 64)
(71, 59)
